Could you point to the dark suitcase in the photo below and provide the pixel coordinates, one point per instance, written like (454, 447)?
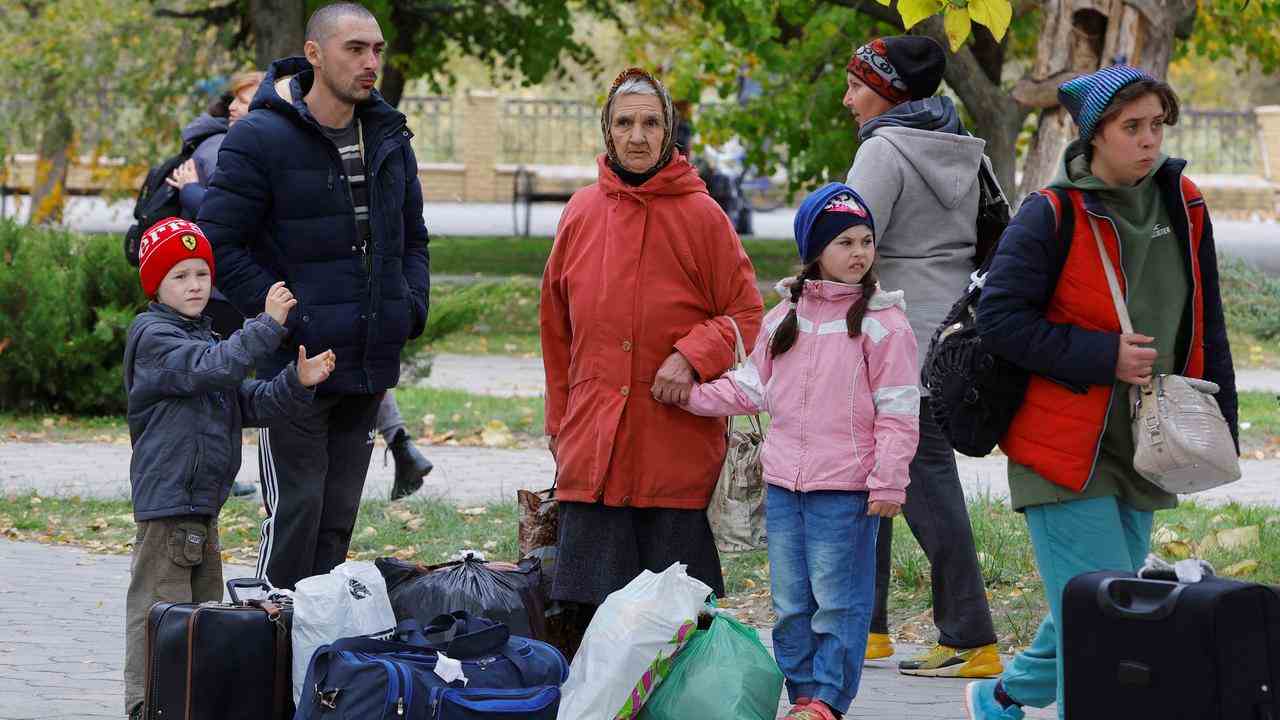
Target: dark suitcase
(220, 661)
(1138, 648)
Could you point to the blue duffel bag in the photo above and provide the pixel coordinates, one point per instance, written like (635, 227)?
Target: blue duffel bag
(364, 677)
(539, 703)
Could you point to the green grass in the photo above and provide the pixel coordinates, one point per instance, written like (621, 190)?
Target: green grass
(488, 257)
(1261, 410)
(467, 414)
(431, 531)
(463, 414)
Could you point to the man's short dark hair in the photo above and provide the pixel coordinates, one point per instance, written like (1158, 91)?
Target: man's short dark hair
(323, 21)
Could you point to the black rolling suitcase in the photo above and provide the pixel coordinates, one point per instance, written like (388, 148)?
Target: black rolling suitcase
(220, 661)
(1138, 648)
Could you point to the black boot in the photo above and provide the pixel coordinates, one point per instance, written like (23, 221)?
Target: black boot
(411, 466)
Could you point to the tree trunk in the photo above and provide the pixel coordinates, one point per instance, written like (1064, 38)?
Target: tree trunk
(392, 88)
(278, 27)
(1081, 36)
(48, 190)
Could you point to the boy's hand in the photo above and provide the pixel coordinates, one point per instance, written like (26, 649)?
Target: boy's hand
(313, 371)
(883, 508)
(279, 302)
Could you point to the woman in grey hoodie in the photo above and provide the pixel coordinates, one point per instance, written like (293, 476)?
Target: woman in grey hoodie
(917, 168)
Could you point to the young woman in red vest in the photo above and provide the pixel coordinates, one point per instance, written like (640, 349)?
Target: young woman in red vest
(1047, 307)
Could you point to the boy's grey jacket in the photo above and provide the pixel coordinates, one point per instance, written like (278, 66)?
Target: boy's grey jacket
(922, 188)
(189, 400)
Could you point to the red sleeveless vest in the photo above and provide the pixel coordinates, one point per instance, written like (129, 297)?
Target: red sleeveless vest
(1057, 432)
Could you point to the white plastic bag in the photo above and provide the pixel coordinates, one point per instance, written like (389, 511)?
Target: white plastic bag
(627, 649)
(350, 600)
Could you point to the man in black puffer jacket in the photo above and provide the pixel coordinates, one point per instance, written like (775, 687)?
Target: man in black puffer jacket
(318, 186)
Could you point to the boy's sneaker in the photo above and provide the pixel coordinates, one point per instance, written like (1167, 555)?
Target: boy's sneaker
(943, 661)
(879, 646)
(981, 704)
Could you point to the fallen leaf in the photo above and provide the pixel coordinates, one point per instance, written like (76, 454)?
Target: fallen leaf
(35, 500)
(368, 532)
(388, 548)
(1165, 534)
(473, 511)
(1239, 538)
(4, 344)
(1176, 549)
(98, 524)
(414, 524)
(403, 516)
(48, 422)
(496, 434)
(405, 554)
(491, 545)
(1244, 567)
(1219, 520)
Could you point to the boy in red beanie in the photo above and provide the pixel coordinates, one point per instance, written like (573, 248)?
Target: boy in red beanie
(188, 400)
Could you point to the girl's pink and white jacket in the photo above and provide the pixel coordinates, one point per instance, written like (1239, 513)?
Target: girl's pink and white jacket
(845, 411)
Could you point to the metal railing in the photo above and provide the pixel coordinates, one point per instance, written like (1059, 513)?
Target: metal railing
(550, 132)
(1217, 142)
(435, 136)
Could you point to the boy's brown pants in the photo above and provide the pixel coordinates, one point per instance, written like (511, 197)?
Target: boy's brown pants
(176, 559)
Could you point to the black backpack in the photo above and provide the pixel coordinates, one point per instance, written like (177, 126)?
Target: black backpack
(993, 213)
(157, 199)
(974, 393)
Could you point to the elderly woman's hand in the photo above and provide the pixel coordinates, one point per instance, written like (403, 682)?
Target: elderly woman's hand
(673, 381)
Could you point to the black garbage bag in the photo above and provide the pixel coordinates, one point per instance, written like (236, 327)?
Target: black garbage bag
(502, 592)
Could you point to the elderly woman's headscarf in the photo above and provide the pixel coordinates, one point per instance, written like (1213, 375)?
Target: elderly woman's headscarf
(668, 117)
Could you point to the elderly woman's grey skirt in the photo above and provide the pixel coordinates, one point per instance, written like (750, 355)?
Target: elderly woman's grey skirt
(603, 548)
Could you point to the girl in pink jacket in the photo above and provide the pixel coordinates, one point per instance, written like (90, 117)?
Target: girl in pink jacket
(835, 367)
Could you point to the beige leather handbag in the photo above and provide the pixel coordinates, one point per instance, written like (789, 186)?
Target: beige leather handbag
(1182, 443)
(736, 510)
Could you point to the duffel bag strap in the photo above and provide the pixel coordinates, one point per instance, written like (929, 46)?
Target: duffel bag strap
(471, 636)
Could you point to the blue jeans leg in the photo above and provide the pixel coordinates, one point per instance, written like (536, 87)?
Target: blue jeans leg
(823, 576)
(1071, 538)
(793, 602)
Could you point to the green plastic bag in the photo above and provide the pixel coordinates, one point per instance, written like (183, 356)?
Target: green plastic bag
(722, 673)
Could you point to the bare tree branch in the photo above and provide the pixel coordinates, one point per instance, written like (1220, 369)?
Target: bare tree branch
(215, 15)
(1043, 93)
(872, 9)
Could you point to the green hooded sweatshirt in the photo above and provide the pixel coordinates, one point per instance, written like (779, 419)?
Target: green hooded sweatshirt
(1157, 291)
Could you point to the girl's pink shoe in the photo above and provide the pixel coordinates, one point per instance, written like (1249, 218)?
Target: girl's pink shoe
(811, 710)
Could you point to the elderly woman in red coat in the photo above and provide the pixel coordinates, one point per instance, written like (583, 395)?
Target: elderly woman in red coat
(639, 299)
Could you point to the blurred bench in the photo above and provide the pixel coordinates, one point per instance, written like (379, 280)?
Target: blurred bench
(544, 184)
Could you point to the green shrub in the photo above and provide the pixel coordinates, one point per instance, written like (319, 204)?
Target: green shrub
(1250, 299)
(485, 307)
(66, 301)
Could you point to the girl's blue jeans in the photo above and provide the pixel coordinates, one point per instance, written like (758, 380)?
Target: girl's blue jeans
(822, 560)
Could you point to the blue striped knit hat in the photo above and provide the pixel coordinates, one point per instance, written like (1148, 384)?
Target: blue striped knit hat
(1088, 96)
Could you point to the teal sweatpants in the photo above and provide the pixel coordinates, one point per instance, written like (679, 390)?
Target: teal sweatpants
(1068, 539)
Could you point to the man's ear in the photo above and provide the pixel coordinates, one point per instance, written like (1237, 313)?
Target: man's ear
(311, 49)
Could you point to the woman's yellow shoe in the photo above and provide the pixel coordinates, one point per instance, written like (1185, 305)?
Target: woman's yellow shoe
(879, 646)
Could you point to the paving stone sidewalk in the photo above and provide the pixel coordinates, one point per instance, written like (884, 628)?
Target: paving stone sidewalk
(62, 644)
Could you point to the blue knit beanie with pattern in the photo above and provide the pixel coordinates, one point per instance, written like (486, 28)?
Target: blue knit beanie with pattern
(1088, 96)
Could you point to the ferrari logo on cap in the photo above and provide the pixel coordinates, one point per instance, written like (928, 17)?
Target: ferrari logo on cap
(189, 242)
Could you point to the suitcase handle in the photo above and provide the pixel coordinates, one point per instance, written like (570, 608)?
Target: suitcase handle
(1138, 599)
(244, 584)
